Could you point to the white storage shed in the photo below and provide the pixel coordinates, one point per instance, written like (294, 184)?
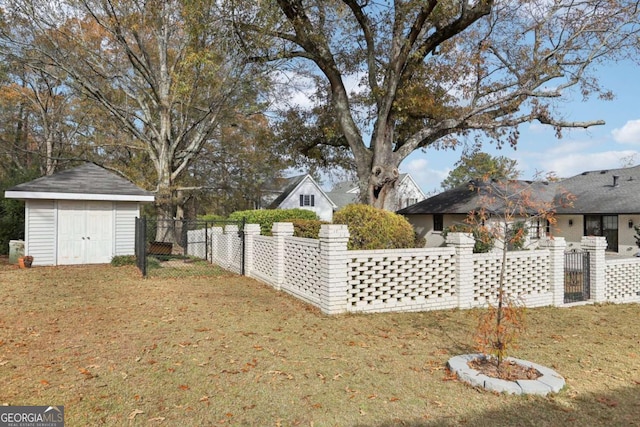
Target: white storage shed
(84, 215)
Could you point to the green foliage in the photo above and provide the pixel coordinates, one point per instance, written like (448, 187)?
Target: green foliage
(637, 236)
(480, 166)
(517, 235)
(12, 211)
(309, 228)
(122, 260)
(484, 240)
(372, 228)
(266, 217)
(211, 218)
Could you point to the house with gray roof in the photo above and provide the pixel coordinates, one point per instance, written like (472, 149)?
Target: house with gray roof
(84, 215)
(407, 193)
(606, 203)
(303, 192)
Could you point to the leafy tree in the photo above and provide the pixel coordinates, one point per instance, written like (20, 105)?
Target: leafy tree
(163, 71)
(12, 211)
(230, 172)
(479, 166)
(430, 73)
(505, 208)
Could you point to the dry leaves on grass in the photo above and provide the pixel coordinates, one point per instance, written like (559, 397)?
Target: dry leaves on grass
(239, 352)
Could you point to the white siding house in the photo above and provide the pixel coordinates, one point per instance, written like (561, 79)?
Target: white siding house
(84, 215)
(302, 192)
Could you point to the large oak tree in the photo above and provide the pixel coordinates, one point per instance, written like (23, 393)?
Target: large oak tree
(433, 72)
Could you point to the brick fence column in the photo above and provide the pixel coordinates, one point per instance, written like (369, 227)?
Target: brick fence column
(250, 232)
(556, 247)
(463, 244)
(596, 245)
(333, 267)
(280, 231)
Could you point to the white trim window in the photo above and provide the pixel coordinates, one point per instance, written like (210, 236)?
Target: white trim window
(307, 200)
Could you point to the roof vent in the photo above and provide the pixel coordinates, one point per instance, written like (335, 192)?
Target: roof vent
(615, 180)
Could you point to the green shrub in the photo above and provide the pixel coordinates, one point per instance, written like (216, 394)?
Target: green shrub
(266, 217)
(484, 240)
(372, 228)
(309, 228)
(122, 260)
(211, 218)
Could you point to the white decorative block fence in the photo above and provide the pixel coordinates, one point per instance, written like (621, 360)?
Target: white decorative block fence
(324, 273)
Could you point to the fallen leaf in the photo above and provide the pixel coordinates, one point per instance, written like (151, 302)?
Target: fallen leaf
(606, 401)
(44, 382)
(134, 413)
(184, 387)
(85, 372)
(204, 399)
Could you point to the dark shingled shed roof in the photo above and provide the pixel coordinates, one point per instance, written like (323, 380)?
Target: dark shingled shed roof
(87, 180)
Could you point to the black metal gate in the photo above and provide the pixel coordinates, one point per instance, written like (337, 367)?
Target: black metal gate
(178, 246)
(576, 276)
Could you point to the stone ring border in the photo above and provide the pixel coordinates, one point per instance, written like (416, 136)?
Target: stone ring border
(549, 382)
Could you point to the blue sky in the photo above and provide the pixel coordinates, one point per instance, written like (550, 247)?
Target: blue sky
(579, 150)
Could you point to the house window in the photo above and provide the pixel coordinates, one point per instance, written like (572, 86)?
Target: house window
(307, 200)
(438, 222)
(536, 228)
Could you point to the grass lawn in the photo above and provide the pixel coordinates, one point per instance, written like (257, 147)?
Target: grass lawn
(116, 349)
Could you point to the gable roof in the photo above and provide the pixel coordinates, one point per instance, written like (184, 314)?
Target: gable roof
(85, 182)
(285, 187)
(290, 185)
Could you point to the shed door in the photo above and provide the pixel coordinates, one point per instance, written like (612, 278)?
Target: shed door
(85, 232)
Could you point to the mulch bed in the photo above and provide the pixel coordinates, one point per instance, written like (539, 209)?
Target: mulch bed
(508, 370)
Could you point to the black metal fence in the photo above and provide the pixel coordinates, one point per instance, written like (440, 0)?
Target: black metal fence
(577, 276)
(176, 248)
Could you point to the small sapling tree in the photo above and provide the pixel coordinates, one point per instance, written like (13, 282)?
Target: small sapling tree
(508, 209)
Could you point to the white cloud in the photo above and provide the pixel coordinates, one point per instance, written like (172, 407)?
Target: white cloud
(628, 134)
(427, 178)
(567, 166)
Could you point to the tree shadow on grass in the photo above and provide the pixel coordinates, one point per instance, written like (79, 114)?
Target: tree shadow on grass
(619, 407)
